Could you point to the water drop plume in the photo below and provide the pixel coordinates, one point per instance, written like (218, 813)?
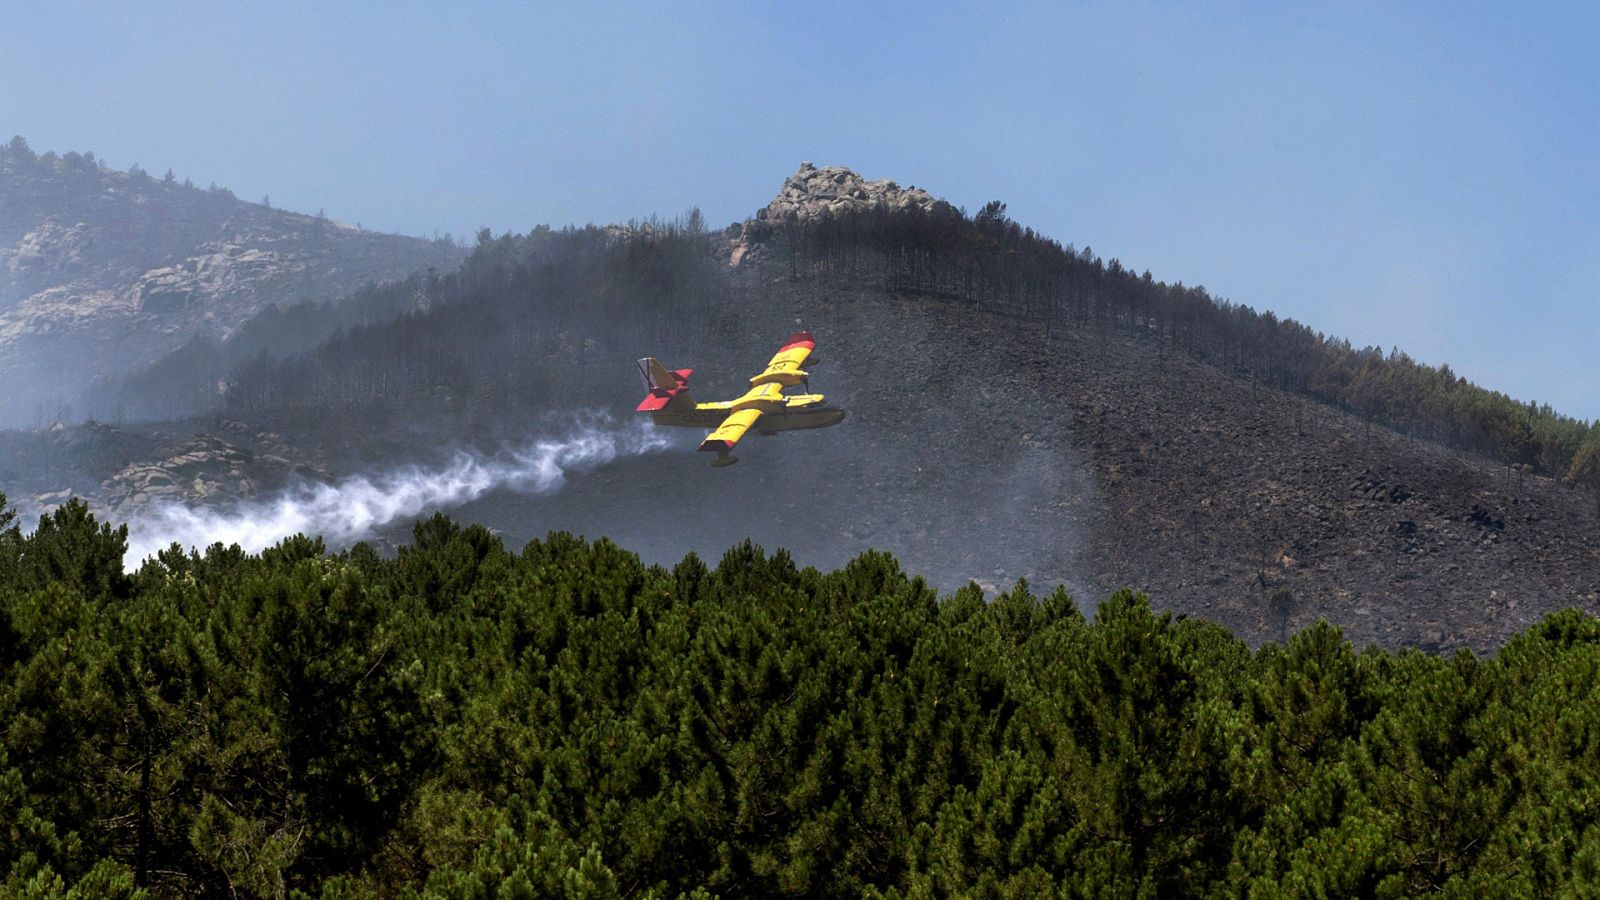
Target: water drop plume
(346, 511)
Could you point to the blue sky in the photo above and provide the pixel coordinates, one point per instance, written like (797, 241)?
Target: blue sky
(1417, 175)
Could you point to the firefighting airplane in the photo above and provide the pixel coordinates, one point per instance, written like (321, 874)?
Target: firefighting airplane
(668, 402)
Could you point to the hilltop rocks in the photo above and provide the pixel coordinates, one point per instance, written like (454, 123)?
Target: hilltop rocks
(813, 193)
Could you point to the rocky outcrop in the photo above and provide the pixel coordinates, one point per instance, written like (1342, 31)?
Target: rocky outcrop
(229, 461)
(813, 193)
(205, 468)
(50, 249)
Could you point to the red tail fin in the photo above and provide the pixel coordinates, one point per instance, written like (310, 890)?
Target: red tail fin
(663, 384)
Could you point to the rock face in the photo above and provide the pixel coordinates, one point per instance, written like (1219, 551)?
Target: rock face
(103, 271)
(812, 193)
(234, 461)
(125, 471)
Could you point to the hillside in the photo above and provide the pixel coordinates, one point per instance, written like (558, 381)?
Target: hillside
(103, 271)
(1018, 409)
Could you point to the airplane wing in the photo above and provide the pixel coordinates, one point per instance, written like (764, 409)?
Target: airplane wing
(785, 366)
(730, 431)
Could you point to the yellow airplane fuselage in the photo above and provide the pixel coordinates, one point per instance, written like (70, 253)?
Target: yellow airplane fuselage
(792, 413)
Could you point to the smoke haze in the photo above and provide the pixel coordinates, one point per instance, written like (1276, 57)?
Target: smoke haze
(350, 510)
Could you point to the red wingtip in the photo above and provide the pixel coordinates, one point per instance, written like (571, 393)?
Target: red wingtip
(716, 446)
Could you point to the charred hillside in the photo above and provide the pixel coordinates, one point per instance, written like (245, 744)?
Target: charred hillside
(1018, 409)
(103, 272)
(992, 453)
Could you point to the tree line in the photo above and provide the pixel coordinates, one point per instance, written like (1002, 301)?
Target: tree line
(467, 720)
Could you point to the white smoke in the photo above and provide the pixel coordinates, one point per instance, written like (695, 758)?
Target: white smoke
(348, 511)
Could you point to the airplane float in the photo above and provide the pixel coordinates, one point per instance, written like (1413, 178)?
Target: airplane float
(764, 407)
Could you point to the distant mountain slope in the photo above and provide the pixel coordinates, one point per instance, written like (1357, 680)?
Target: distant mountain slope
(103, 271)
